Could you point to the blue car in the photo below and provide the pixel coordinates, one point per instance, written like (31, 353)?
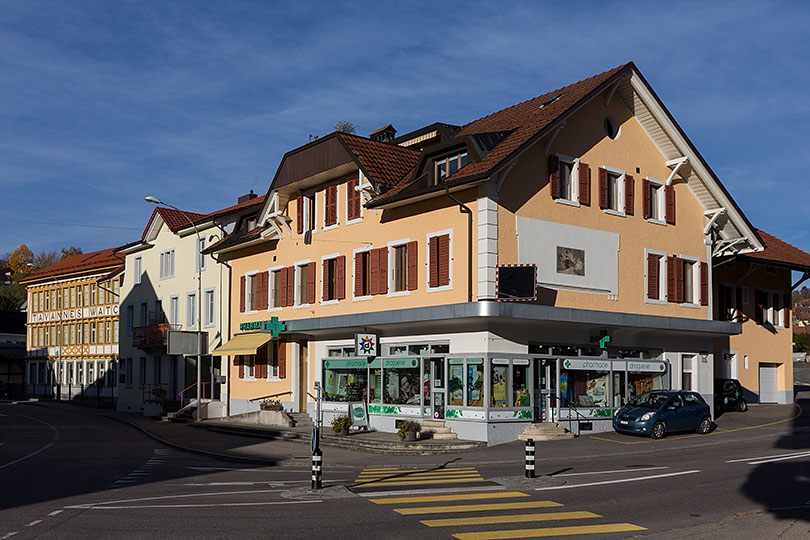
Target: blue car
(660, 412)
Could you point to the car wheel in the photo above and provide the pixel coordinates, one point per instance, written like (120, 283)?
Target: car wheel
(705, 426)
(658, 430)
(742, 406)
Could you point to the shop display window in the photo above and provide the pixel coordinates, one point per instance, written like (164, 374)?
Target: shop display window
(345, 380)
(475, 382)
(520, 385)
(583, 388)
(401, 381)
(499, 384)
(455, 381)
(638, 383)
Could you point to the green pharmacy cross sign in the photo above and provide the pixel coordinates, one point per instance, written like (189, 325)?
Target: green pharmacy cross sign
(602, 340)
(273, 326)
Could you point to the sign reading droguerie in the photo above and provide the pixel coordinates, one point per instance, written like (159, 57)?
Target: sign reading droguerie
(73, 314)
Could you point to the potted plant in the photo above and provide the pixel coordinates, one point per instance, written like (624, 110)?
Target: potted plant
(271, 405)
(341, 424)
(408, 430)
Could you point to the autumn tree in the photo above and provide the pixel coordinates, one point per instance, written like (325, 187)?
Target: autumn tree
(345, 127)
(19, 260)
(69, 252)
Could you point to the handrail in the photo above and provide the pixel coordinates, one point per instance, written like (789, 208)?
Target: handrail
(180, 393)
(270, 396)
(566, 403)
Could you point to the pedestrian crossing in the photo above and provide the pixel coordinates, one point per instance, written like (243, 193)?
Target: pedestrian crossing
(495, 508)
(159, 456)
(402, 478)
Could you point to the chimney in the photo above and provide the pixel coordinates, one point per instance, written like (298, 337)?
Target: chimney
(247, 197)
(384, 134)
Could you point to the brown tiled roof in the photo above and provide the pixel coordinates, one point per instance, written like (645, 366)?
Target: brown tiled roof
(385, 163)
(85, 262)
(256, 201)
(780, 252)
(380, 130)
(235, 238)
(175, 219)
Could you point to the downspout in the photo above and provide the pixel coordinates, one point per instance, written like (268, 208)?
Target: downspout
(227, 326)
(465, 210)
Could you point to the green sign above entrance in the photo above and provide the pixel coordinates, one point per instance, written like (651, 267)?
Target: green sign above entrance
(273, 326)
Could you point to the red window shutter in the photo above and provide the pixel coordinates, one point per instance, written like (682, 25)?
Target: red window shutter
(383, 277)
(646, 207)
(300, 215)
(340, 278)
(679, 281)
(669, 194)
(788, 300)
(603, 188)
(444, 260)
(704, 284)
(629, 195)
(374, 271)
(282, 286)
(584, 184)
(290, 285)
(242, 281)
(352, 200)
(652, 277)
(261, 290)
(738, 303)
(240, 361)
(310, 283)
(325, 285)
(671, 285)
(282, 359)
(330, 205)
(760, 302)
(413, 268)
(554, 176)
(434, 261)
(358, 274)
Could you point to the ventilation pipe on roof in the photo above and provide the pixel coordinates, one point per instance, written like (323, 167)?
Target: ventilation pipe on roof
(247, 197)
(464, 209)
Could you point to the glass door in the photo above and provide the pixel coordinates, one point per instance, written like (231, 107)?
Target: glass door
(547, 390)
(436, 382)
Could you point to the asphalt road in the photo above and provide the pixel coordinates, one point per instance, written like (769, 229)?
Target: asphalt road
(71, 472)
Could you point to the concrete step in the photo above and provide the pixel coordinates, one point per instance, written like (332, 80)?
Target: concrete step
(301, 420)
(546, 431)
(433, 423)
(439, 430)
(444, 436)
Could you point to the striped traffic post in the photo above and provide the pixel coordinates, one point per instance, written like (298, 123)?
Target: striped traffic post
(317, 458)
(530, 458)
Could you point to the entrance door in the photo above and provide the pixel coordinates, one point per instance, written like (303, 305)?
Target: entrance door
(437, 399)
(768, 392)
(546, 396)
(303, 376)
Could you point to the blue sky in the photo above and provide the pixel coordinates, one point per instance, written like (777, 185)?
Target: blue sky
(103, 103)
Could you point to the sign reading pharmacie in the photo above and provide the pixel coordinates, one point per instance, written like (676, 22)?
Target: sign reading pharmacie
(635, 366)
(75, 314)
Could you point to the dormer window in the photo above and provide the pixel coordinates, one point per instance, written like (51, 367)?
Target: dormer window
(447, 166)
(251, 224)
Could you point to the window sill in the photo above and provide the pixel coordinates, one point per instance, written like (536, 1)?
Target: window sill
(300, 306)
(398, 293)
(353, 221)
(440, 288)
(279, 308)
(362, 298)
(330, 227)
(273, 379)
(655, 301)
(250, 312)
(657, 222)
(249, 379)
(330, 302)
(568, 202)
(615, 212)
(693, 306)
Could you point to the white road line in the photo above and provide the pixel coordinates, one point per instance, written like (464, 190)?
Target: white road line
(608, 472)
(268, 483)
(793, 454)
(34, 522)
(799, 456)
(187, 496)
(638, 478)
(56, 512)
(8, 535)
(212, 505)
(32, 454)
(428, 491)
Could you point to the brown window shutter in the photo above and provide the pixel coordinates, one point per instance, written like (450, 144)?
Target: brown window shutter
(282, 293)
(738, 303)
(629, 195)
(652, 277)
(584, 184)
(352, 200)
(374, 271)
(300, 215)
(290, 285)
(242, 281)
(261, 290)
(383, 277)
(325, 277)
(603, 188)
(413, 268)
(434, 261)
(704, 284)
(760, 303)
(788, 300)
(671, 285)
(241, 363)
(646, 207)
(679, 279)
(358, 274)
(669, 193)
(340, 281)
(311, 283)
(444, 260)
(330, 205)
(282, 359)
(554, 176)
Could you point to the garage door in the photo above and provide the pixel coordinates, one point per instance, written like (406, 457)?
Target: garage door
(767, 384)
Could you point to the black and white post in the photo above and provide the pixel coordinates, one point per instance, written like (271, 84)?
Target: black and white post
(530, 458)
(317, 459)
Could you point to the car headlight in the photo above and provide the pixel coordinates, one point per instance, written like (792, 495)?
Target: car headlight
(646, 416)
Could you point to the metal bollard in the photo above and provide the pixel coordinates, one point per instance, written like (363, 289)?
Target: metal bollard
(530, 458)
(317, 459)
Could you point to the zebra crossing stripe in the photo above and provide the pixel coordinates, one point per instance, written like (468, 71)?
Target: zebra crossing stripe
(514, 518)
(446, 498)
(476, 507)
(549, 531)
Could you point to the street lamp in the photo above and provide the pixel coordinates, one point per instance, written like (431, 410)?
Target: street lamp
(61, 324)
(155, 200)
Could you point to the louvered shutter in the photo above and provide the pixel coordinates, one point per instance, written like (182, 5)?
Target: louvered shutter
(444, 260)
(383, 277)
(242, 281)
(652, 277)
(669, 194)
(603, 188)
(240, 361)
(340, 278)
(704, 284)
(584, 184)
(310, 283)
(646, 208)
(554, 176)
(760, 302)
(629, 195)
(330, 206)
(374, 271)
(671, 285)
(358, 274)
(413, 268)
(282, 288)
(738, 303)
(788, 300)
(300, 215)
(282, 359)
(352, 200)
(291, 285)
(679, 280)
(261, 290)
(434, 261)
(325, 277)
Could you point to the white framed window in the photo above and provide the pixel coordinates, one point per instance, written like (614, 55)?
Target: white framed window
(688, 368)
(568, 168)
(309, 213)
(115, 331)
(276, 294)
(130, 319)
(329, 279)
(354, 201)
(615, 191)
(174, 310)
(440, 261)
(251, 286)
(302, 283)
(250, 367)
(331, 207)
(137, 272)
(655, 212)
(773, 311)
(208, 308)
(398, 267)
(447, 166)
(191, 310)
(731, 310)
(361, 264)
(167, 264)
(691, 282)
(655, 277)
(200, 262)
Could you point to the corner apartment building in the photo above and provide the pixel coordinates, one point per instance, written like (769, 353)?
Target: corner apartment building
(594, 186)
(73, 327)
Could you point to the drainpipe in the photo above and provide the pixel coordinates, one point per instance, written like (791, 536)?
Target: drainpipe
(465, 210)
(227, 327)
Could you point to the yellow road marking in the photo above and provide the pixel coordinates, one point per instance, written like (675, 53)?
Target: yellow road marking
(475, 507)
(415, 475)
(409, 477)
(458, 497)
(516, 518)
(394, 469)
(412, 482)
(549, 531)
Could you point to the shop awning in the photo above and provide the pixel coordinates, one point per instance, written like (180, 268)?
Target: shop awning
(242, 344)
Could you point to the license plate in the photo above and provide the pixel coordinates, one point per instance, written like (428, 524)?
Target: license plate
(623, 422)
